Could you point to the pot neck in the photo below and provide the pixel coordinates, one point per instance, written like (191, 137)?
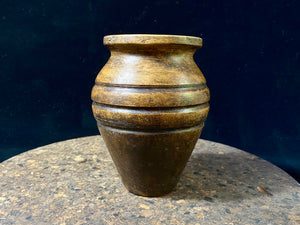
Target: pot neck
(152, 49)
(150, 43)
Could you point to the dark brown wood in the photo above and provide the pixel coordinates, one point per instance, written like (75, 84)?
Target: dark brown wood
(150, 101)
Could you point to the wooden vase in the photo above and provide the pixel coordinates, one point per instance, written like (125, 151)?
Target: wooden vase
(150, 101)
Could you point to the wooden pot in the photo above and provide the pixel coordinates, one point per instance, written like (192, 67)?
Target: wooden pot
(150, 101)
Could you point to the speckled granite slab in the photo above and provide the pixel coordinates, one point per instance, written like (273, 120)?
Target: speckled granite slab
(75, 182)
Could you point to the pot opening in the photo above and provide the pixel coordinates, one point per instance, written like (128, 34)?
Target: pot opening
(152, 39)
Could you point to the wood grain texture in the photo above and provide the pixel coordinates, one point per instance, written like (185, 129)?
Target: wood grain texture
(150, 101)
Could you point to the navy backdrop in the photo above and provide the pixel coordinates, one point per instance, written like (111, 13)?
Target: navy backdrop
(51, 52)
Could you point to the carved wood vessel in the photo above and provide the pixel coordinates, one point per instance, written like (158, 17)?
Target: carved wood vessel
(150, 101)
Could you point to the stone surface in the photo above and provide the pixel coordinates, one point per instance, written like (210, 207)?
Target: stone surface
(75, 182)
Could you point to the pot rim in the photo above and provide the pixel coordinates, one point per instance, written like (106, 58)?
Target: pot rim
(151, 39)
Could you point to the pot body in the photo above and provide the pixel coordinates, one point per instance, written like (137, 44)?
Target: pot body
(150, 101)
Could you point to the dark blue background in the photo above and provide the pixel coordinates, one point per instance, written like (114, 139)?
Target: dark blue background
(51, 52)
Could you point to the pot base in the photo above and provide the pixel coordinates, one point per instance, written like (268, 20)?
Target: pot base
(150, 163)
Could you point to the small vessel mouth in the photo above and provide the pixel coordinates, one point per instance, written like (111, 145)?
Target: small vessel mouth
(152, 39)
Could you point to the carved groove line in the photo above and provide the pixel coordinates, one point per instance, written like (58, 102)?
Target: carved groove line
(151, 87)
(142, 110)
(151, 132)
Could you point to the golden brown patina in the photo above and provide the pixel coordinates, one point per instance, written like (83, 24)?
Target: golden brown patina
(150, 101)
